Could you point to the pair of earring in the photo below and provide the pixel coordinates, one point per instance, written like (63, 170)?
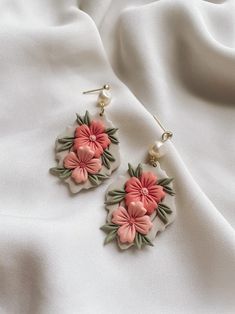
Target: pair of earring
(140, 203)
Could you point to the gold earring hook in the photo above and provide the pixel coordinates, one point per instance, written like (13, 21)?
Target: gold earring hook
(106, 86)
(167, 134)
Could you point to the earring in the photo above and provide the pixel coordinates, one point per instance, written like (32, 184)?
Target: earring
(87, 152)
(141, 203)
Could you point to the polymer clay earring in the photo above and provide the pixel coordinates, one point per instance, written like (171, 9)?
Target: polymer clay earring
(88, 152)
(141, 203)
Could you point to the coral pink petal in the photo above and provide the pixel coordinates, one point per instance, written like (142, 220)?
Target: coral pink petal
(126, 233)
(97, 127)
(71, 161)
(136, 209)
(148, 179)
(157, 193)
(98, 149)
(93, 166)
(143, 224)
(85, 154)
(103, 139)
(82, 131)
(132, 197)
(120, 216)
(133, 184)
(79, 142)
(149, 204)
(79, 175)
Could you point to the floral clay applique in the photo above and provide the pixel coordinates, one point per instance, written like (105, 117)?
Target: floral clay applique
(87, 152)
(139, 205)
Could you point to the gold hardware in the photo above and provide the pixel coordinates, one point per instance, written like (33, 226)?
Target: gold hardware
(106, 86)
(167, 134)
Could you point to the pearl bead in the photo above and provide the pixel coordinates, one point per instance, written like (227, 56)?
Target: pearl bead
(104, 97)
(159, 149)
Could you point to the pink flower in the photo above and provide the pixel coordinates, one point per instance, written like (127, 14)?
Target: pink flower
(145, 190)
(93, 136)
(131, 221)
(82, 163)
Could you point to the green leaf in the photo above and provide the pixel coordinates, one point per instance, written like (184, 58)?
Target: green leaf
(165, 208)
(111, 131)
(80, 120)
(138, 171)
(161, 214)
(64, 147)
(108, 155)
(131, 171)
(113, 139)
(146, 240)
(65, 140)
(87, 118)
(115, 199)
(62, 173)
(109, 227)
(93, 179)
(169, 190)
(138, 240)
(105, 161)
(164, 181)
(101, 176)
(117, 192)
(111, 236)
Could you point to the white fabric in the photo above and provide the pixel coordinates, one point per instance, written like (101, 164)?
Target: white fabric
(175, 59)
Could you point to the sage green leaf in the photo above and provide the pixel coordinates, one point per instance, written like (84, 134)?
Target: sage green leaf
(117, 192)
(131, 171)
(56, 170)
(146, 240)
(93, 179)
(80, 120)
(66, 174)
(138, 171)
(105, 161)
(87, 118)
(111, 236)
(165, 181)
(101, 176)
(165, 208)
(115, 199)
(108, 155)
(168, 190)
(64, 147)
(109, 227)
(161, 214)
(111, 131)
(113, 139)
(65, 140)
(138, 240)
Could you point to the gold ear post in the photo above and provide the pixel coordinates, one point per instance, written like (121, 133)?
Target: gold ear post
(167, 134)
(106, 86)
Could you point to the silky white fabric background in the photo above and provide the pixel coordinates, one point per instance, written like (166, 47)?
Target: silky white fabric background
(175, 59)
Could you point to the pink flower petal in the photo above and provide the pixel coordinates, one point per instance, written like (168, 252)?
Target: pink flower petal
(79, 175)
(98, 149)
(97, 127)
(71, 161)
(81, 141)
(126, 233)
(82, 131)
(120, 216)
(149, 204)
(93, 166)
(103, 139)
(143, 224)
(136, 209)
(85, 154)
(148, 179)
(157, 193)
(132, 197)
(133, 184)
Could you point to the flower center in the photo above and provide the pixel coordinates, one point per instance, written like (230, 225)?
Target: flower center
(82, 165)
(131, 221)
(144, 191)
(92, 138)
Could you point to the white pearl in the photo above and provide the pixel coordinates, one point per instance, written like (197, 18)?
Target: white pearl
(159, 149)
(104, 97)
